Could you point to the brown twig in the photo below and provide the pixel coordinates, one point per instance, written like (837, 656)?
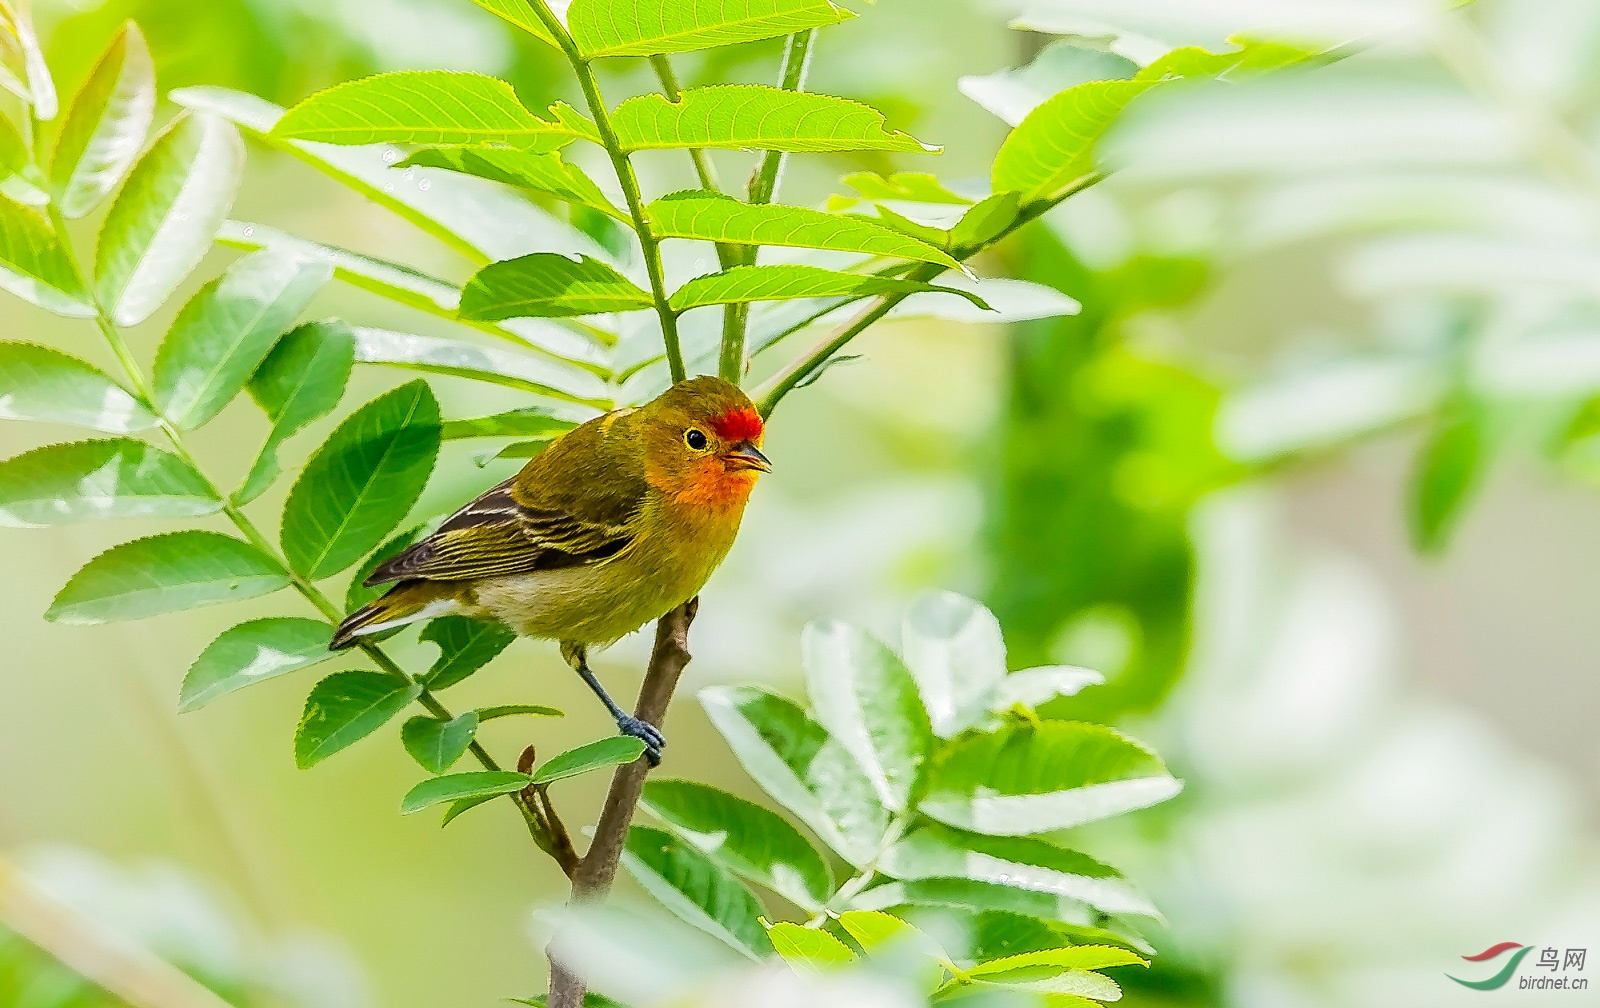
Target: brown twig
(598, 868)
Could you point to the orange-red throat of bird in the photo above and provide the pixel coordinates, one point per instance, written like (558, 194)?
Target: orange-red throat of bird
(616, 523)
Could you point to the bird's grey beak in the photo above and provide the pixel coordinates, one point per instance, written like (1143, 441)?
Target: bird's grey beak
(746, 455)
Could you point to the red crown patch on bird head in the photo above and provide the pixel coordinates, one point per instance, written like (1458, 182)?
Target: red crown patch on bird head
(741, 424)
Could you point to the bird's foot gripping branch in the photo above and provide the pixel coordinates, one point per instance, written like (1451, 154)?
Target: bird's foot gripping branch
(463, 160)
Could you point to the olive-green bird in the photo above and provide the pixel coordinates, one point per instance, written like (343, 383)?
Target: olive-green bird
(616, 523)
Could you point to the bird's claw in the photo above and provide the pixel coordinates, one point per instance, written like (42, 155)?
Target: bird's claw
(647, 733)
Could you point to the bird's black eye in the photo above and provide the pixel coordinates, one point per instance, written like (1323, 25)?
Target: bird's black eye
(695, 439)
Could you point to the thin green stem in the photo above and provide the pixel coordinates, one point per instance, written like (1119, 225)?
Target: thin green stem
(796, 61)
(734, 358)
(803, 367)
(649, 244)
(241, 521)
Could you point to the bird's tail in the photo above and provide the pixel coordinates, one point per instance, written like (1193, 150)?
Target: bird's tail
(406, 602)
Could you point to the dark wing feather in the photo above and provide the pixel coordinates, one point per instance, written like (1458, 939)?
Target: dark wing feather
(495, 536)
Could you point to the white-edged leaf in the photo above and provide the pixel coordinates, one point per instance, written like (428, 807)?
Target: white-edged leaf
(418, 290)
(743, 837)
(956, 654)
(33, 265)
(105, 126)
(696, 889)
(222, 335)
(482, 221)
(165, 573)
(868, 701)
(494, 364)
(254, 652)
(938, 852)
(166, 215)
(35, 86)
(41, 383)
(1034, 778)
(118, 478)
(547, 173)
(794, 761)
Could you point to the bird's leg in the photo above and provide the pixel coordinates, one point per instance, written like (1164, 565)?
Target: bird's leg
(578, 657)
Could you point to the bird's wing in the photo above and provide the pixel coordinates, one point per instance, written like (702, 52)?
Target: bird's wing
(496, 535)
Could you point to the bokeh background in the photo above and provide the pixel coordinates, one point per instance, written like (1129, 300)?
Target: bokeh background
(1302, 296)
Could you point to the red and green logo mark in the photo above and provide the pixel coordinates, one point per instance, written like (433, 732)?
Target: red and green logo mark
(1494, 952)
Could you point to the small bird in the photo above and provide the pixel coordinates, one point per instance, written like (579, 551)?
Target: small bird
(616, 523)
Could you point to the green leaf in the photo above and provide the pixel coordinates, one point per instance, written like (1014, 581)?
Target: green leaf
(654, 27)
(362, 481)
(696, 889)
(613, 751)
(1054, 146)
(1447, 472)
(417, 290)
(526, 422)
(459, 787)
(165, 573)
(166, 215)
(756, 117)
(358, 594)
(465, 646)
(515, 450)
(34, 267)
(521, 14)
(225, 331)
(971, 894)
(795, 761)
(1033, 778)
(546, 173)
(481, 221)
(1056, 984)
(709, 217)
(345, 708)
(106, 125)
(1035, 687)
(776, 283)
(461, 805)
(510, 710)
(957, 656)
(808, 949)
(1252, 57)
(868, 701)
(13, 149)
(1081, 957)
(254, 652)
(459, 358)
(120, 478)
(302, 379)
(903, 187)
(16, 29)
(743, 837)
(435, 744)
(422, 107)
(938, 852)
(39, 383)
(983, 223)
(549, 285)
